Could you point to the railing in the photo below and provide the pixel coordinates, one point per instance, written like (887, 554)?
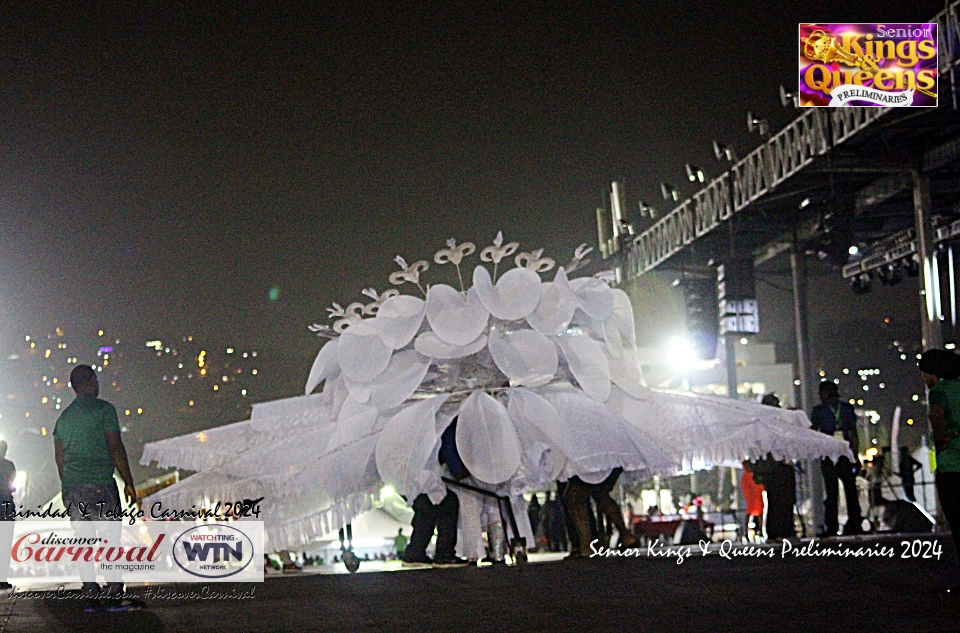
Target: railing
(812, 134)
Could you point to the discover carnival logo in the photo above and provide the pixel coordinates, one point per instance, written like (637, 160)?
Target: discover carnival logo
(880, 65)
(213, 551)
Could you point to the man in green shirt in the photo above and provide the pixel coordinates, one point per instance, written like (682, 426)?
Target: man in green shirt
(400, 543)
(87, 448)
(940, 370)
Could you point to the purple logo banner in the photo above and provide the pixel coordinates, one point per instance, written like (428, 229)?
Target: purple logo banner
(878, 65)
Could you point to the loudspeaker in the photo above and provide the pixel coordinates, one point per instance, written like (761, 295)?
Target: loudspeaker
(907, 517)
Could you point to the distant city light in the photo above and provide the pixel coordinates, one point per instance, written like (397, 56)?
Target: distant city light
(853, 250)
(105, 350)
(910, 422)
(915, 397)
(229, 350)
(274, 293)
(254, 372)
(99, 332)
(139, 410)
(157, 345)
(846, 371)
(216, 387)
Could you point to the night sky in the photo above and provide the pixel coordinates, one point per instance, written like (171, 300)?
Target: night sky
(160, 172)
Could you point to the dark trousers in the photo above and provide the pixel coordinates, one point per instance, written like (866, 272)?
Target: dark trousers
(6, 535)
(96, 499)
(781, 486)
(833, 474)
(948, 490)
(428, 517)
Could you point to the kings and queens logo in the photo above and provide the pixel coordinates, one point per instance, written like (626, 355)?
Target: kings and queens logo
(879, 65)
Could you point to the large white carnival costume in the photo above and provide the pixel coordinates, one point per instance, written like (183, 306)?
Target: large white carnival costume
(542, 376)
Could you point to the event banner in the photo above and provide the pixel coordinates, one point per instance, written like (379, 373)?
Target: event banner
(151, 551)
(880, 65)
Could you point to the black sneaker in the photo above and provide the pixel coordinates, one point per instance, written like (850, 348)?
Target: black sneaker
(93, 605)
(118, 605)
(445, 563)
(414, 562)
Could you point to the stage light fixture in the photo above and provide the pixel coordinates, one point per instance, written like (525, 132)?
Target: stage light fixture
(911, 266)
(669, 192)
(786, 98)
(861, 284)
(694, 173)
(754, 124)
(891, 275)
(724, 152)
(647, 211)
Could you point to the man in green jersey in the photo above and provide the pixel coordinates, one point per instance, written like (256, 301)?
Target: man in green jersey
(940, 370)
(88, 448)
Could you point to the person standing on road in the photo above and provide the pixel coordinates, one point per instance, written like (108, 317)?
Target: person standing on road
(440, 517)
(8, 474)
(87, 449)
(940, 370)
(399, 543)
(780, 482)
(838, 419)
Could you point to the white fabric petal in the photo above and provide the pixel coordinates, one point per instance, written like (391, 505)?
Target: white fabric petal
(361, 353)
(622, 317)
(455, 319)
(356, 420)
(525, 356)
(593, 296)
(597, 477)
(515, 296)
(398, 320)
(486, 441)
(625, 373)
(324, 366)
(541, 422)
(406, 444)
(430, 345)
(556, 307)
(589, 365)
(398, 381)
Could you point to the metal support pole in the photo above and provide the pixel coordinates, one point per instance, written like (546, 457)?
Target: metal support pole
(798, 270)
(931, 333)
(730, 347)
(814, 484)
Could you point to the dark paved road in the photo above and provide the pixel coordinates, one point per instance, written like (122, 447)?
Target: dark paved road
(709, 594)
